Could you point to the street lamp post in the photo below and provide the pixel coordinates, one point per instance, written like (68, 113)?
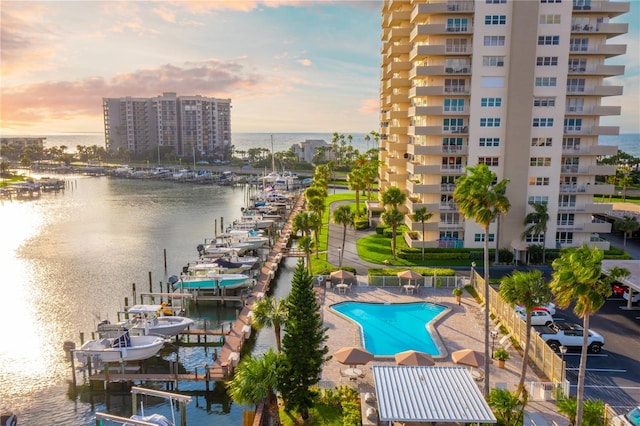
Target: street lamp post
(494, 335)
(563, 350)
(473, 274)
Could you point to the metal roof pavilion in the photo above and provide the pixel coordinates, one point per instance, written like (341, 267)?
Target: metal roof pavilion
(429, 394)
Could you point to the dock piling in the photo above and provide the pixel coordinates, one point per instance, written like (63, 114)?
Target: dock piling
(165, 260)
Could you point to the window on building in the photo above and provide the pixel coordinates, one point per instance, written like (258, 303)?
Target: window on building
(579, 44)
(572, 125)
(453, 105)
(577, 65)
(566, 219)
(540, 161)
(495, 19)
(538, 199)
(544, 102)
(575, 85)
(547, 61)
(490, 102)
(546, 82)
(452, 124)
(490, 122)
(539, 181)
(564, 238)
(489, 161)
(479, 238)
(550, 1)
(530, 238)
(456, 45)
(549, 19)
(494, 40)
(454, 85)
(496, 1)
(489, 142)
(571, 144)
(541, 141)
(449, 235)
(567, 201)
(575, 105)
(493, 61)
(543, 122)
(451, 144)
(548, 40)
(457, 25)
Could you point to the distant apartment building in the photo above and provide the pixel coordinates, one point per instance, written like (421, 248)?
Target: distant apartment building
(306, 151)
(183, 125)
(517, 85)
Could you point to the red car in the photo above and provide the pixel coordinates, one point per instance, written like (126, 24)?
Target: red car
(619, 289)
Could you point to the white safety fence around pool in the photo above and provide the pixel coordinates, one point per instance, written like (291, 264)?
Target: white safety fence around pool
(424, 282)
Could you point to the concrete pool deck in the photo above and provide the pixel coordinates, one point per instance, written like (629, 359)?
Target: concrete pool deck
(461, 328)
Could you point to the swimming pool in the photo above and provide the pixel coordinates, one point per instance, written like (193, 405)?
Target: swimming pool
(389, 328)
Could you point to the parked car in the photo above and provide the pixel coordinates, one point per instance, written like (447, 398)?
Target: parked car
(618, 289)
(569, 335)
(632, 418)
(634, 299)
(550, 308)
(538, 316)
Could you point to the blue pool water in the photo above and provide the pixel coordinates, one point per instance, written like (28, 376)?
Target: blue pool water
(396, 327)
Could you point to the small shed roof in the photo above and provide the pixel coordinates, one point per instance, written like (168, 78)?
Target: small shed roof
(429, 394)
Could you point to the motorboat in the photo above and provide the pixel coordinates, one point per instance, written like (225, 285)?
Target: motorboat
(151, 320)
(211, 281)
(116, 344)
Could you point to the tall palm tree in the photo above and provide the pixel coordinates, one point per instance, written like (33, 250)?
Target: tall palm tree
(536, 223)
(357, 183)
(394, 197)
(315, 220)
(393, 218)
(305, 245)
(301, 223)
(270, 312)
(256, 380)
(527, 289)
(344, 216)
(628, 225)
(421, 215)
(578, 278)
(478, 197)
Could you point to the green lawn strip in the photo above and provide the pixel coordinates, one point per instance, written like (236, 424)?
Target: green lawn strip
(320, 415)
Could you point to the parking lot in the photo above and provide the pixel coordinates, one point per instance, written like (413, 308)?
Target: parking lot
(614, 374)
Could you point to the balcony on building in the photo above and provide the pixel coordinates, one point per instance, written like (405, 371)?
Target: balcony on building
(595, 91)
(415, 187)
(598, 70)
(424, 50)
(592, 208)
(588, 189)
(422, 10)
(396, 18)
(421, 110)
(596, 110)
(439, 149)
(611, 8)
(422, 31)
(601, 49)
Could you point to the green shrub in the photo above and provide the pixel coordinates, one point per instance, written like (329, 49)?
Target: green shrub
(380, 229)
(361, 223)
(505, 256)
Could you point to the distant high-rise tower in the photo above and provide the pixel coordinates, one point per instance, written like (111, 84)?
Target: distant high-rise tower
(185, 125)
(514, 84)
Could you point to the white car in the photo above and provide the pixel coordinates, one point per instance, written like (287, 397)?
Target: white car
(549, 307)
(634, 299)
(538, 316)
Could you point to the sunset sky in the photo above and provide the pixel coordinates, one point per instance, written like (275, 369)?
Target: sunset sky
(287, 65)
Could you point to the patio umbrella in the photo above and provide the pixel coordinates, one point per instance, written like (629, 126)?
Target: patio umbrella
(409, 275)
(468, 357)
(341, 275)
(415, 358)
(352, 355)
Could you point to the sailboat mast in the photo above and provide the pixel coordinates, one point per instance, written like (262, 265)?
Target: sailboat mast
(273, 157)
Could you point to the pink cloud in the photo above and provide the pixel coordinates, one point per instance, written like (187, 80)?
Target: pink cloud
(305, 62)
(369, 106)
(54, 100)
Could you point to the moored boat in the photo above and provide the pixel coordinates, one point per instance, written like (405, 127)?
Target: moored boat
(212, 281)
(116, 344)
(149, 320)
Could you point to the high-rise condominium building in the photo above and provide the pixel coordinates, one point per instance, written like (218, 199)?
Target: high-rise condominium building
(183, 126)
(515, 84)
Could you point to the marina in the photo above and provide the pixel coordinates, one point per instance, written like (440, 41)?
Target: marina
(151, 216)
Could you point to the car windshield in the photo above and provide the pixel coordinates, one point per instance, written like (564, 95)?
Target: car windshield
(634, 416)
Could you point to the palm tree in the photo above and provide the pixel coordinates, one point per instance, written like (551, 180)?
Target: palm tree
(507, 407)
(421, 215)
(536, 222)
(478, 197)
(628, 225)
(256, 380)
(344, 216)
(357, 182)
(393, 217)
(270, 312)
(315, 220)
(393, 197)
(578, 278)
(305, 245)
(301, 223)
(528, 290)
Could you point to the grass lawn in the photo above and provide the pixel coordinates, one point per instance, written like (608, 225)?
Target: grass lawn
(320, 415)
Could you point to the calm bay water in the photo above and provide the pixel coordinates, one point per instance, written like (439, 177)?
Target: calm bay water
(69, 259)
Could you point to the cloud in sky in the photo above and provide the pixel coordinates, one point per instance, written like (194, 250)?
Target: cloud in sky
(286, 65)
